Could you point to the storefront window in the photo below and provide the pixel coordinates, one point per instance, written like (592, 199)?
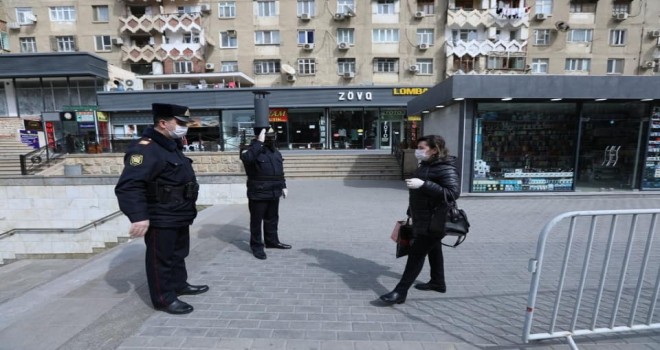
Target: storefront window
(3, 100)
(524, 147)
(306, 128)
(651, 175)
(235, 125)
(354, 128)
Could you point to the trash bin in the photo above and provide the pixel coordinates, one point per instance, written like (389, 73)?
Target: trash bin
(72, 169)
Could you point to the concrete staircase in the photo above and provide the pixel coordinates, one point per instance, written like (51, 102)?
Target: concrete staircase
(321, 165)
(10, 151)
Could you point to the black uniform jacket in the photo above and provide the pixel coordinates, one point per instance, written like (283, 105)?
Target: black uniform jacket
(264, 168)
(151, 184)
(440, 178)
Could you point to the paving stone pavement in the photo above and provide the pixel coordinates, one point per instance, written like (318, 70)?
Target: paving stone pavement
(322, 293)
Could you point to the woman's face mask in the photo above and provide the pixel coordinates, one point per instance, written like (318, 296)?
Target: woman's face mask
(421, 155)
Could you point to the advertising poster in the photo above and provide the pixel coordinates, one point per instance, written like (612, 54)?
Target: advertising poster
(30, 138)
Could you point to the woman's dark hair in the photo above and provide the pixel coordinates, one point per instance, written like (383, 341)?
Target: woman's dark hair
(437, 143)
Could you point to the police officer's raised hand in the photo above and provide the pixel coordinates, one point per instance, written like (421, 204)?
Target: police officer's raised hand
(262, 135)
(139, 228)
(285, 193)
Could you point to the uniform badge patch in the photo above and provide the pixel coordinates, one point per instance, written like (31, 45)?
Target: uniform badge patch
(136, 159)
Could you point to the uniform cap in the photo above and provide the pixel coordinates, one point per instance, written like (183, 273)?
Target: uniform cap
(166, 110)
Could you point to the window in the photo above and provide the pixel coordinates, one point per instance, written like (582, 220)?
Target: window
(191, 38)
(101, 13)
(166, 86)
(63, 14)
(345, 65)
(306, 6)
(63, 44)
(181, 10)
(424, 66)
(615, 65)
(426, 6)
(464, 63)
(543, 6)
(306, 66)
(183, 67)
(464, 4)
(102, 43)
(583, 6)
(386, 65)
(540, 65)
(305, 37)
(617, 37)
(579, 35)
(4, 41)
(343, 6)
(24, 15)
(346, 35)
(266, 66)
(227, 9)
(28, 44)
(621, 7)
(425, 36)
(228, 40)
(267, 37)
(385, 7)
(266, 9)
(384, 36)
(577, 64)
(229, 66)
(496, 62)
(542, 37)
(464, 35)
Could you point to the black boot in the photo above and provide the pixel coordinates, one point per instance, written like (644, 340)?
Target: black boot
(393, 297)
(440, 288)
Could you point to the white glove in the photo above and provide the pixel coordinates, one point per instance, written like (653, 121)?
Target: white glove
(285, 192)
(262, 135)
(414, 183)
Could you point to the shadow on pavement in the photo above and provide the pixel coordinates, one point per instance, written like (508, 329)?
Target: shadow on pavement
(126, 272)
(391, 184)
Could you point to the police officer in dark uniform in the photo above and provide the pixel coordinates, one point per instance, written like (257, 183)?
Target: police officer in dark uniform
(265, 185)
(157, 191)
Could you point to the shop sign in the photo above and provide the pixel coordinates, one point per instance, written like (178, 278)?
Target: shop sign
(84, 116)
(30, 138)
(101, 116)
(32, 124)
(50, 134)
(354, 95)
(79, 108)
(67, 116)
(414, 118)
(408, 91)
(278, 115)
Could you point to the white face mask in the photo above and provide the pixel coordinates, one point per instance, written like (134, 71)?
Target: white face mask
(179, 132)
(421, 155)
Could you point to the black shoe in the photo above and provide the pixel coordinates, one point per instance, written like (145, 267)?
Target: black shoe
(177, 307)
(278, 246)
(259, 255)
(192, 290)
(440, 288)
(393, 297)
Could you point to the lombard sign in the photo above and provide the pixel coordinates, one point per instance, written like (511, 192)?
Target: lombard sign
(413, 91)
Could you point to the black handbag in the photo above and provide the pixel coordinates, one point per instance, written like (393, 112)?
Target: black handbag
(404, 238)
(453, 222)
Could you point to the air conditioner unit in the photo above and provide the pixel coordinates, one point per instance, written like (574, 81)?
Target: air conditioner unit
(420, 14)
(541, 16)
(231, 33)
(305, 16)
(290, 77)
(414, 68)
(14, 25)
(648, 64)
(205, 8)
(117, 41)
(339, 17)
(654, 33)
(620, 16)
(349, 75)
(133, 84)
(209, 66)
(309, 46)
(349, 12)
(423, 46)
(342, 46)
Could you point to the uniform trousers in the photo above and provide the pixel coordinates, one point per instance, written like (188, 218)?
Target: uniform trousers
(422, 246)
(167, 249)
(266, 214)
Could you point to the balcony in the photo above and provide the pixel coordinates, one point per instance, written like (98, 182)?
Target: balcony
(476, 48)
(150, 53)
(488, 18)
(186, 22)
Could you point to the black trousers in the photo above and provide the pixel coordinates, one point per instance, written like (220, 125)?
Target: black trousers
(421, 247)
(167, 249)
(266, 214)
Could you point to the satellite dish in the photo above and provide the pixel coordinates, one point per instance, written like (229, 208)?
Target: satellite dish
(288, 69)
(562, 26)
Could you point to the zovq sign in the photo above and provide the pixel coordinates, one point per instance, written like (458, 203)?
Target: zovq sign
(354, 95)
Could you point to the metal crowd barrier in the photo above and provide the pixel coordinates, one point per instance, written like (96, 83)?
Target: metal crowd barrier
(602, 248)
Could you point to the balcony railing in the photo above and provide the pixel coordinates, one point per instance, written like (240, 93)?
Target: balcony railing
(150, 53)
(160, 23)
(492, 17)
(475, 48)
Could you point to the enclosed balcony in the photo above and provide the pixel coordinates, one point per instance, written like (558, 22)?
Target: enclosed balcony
(508, 17)
(476, 48)
(185, 22)
(150, 53)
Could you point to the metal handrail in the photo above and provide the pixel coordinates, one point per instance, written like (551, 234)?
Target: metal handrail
(62, 230)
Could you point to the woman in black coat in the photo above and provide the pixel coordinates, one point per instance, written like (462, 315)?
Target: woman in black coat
(435, 179)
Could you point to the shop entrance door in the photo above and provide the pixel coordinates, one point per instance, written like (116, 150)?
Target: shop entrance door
(609, 153)
(390, 132)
